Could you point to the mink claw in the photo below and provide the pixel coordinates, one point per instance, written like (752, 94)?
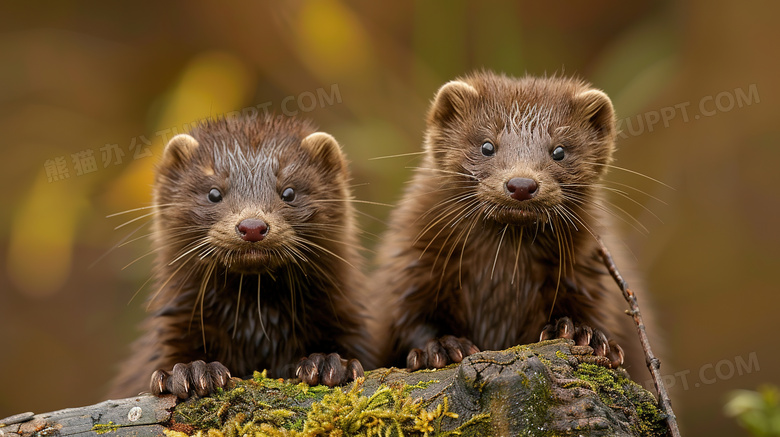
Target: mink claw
(583, 335)
(590, 345)
(562, 328)
(186, 379)
(415, 360)
(440, 352)
(158, 382)
(330, 370)
(616, 354)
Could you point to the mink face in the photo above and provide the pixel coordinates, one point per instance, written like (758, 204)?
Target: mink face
(526, 149)
(251, 201)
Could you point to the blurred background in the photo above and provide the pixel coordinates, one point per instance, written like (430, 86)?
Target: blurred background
(90, 91)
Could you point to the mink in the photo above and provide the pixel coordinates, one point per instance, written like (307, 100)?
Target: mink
(257, 261)
(494, 241)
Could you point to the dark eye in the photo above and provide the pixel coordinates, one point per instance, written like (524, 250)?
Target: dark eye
(215, 196)
(288, 195)
(488, 149)
(558, 153)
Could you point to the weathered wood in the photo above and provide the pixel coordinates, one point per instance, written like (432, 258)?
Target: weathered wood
(540, 389)
(139, 416)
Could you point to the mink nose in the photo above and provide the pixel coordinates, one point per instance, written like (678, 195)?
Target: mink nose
(252, 229)
(522, 188)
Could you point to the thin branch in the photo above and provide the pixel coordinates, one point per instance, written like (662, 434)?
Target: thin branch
(653, 363)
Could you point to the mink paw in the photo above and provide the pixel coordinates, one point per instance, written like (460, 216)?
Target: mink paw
(197, 377)
(590, 345)
(440, 352)
(330, 370)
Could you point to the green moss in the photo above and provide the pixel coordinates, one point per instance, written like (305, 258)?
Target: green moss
(600, 380)
(260, 400)
(477, 426)
(652, 420)
(270, 407)
(537, 404)
(422, 385)
(101, 428)
(622, 394)
(386, 411)
(299, 392)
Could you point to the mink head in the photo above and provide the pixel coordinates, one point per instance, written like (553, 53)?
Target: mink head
(523, 146)
(251, 195)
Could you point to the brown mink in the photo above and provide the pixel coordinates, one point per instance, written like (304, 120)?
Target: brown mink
(257, 261)
(495, 235)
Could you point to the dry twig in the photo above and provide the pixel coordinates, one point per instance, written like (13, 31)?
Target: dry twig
(653, 363)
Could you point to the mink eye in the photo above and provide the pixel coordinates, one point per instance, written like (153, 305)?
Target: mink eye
(488, 149)
(288, 195)
(215, 196)
(558, 153)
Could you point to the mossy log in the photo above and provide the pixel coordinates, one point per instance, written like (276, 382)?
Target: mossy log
(533, 390)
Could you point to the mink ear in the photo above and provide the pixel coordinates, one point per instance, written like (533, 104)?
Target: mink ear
(179, 150)
(451, 101)
(325, 149)
(596, 109)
